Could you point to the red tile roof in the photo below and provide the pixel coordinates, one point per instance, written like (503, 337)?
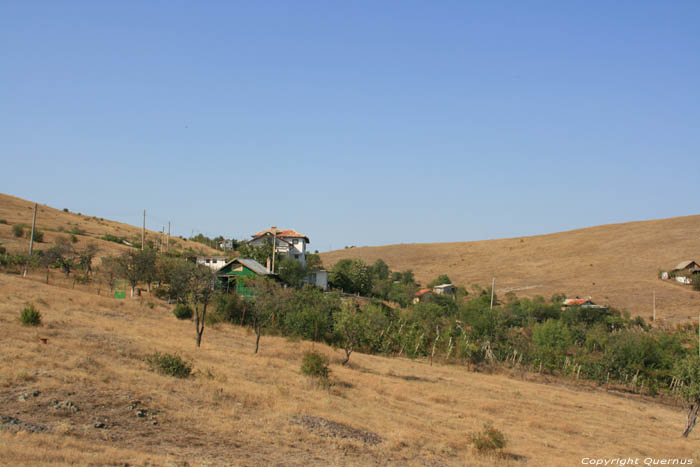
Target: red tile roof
(288, 233)
(422, 292)
(576, 301)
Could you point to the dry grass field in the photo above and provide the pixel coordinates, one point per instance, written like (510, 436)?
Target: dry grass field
(76, 399)
(18, 211)
(616, 264)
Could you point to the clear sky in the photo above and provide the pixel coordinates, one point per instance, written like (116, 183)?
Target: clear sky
(355, 123)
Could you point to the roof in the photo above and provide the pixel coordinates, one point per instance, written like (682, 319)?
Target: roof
(443, 286)
(684, 265)
(576, 301)
(251, 264)
(423, 292)
(288, 233)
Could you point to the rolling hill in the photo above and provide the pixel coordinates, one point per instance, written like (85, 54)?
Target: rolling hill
(616, 264)
(54, 222)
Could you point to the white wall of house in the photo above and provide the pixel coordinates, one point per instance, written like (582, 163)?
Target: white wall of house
(318, 278)
(213, 262)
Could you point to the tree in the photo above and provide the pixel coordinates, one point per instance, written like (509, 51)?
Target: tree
(313, 262)
(441, 279)
(110, 270)
(137, 266)
(268, 301)
(202, 287)
(351, 328)
(352, 276)
(688, 371)
(60, 255)
(291, 271)
(380, 270)
(86, 255)
(258, 253)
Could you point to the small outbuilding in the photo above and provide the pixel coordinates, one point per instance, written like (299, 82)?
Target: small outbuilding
(445, 289)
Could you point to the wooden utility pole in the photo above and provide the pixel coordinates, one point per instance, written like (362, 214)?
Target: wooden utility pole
(654, 316)
(274, 248)
(167, 240)
(493, 286)
(143, 230)
(31, 242)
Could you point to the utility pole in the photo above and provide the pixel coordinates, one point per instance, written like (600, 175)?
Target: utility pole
(654, 316)
(143, 230)
(493, 286)
(167, 241)
(31, 242)
(274, 248)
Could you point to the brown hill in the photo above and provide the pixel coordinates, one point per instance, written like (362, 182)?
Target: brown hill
(616, 264)
(54, 222)
(87, 397)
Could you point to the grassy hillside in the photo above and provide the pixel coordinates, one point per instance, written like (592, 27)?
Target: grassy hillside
(246, 409)
(617, 264)
(50, 220)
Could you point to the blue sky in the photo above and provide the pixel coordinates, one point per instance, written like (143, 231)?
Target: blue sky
(356, 123)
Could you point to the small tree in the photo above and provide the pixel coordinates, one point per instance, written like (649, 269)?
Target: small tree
(137, 266)
(202, 286)
(86, 256)
(351, 327)
(441, 279)
(291, 271)
(269, 298)
(18, 230)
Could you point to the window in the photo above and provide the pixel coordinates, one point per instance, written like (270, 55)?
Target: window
(206, 260)
(296, 256)
(295, 241)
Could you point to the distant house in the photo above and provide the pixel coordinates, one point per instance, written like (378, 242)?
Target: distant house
(287, 242)
(213, 262)
(233, 274)
(421, 295)
(684, 270)
(582, 303)
(445, 289)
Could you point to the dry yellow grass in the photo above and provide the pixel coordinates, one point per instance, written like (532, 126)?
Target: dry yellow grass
(239, 408)
(617, 264)
(18, 211)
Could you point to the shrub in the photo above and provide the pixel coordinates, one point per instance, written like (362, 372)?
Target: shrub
(183, 312)
(3, 221)
(315, 364)
(77, 231)
(169, 365)
(18, 230)
(488, 440)
(30, 316)
(38, 236)
(65, 209)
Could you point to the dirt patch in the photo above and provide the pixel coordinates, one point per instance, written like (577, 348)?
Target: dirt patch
(327, 428)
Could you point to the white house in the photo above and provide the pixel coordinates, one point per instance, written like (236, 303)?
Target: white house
(213, 262)
(287, 242)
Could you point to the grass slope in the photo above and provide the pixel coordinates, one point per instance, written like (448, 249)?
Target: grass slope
(617, 264)
(18, 211)
(240, 408)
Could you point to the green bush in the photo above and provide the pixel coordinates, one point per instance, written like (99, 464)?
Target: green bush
(488, 440)
(30, 316)
(18, 230)
(315, 364)
(183, 312)
(169, 365)
(38, 235)
(3, 221)
(77, 231)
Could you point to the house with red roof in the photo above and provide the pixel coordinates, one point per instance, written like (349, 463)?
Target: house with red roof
(288, 242)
